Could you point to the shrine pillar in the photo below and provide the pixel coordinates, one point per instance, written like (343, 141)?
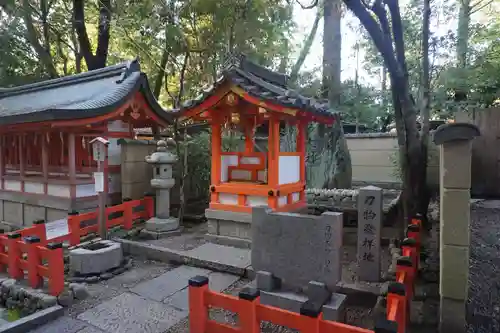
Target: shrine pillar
(455, 150)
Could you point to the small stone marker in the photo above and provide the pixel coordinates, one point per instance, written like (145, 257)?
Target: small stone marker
(369, 227)
(297, 248)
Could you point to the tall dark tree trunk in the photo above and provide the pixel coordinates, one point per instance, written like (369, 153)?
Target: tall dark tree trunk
(387, 35)
(99, 59)
(462, 47)
(426, 100)
(340, 175)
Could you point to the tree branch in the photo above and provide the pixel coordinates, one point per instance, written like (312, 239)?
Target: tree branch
(101, 53)
(32, 36)
(310, 6)
(397, 31)
(474, 8)
(81, 31)
(306, 48)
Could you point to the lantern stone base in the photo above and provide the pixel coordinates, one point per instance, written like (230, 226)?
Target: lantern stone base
(158, 228)
(229, 228)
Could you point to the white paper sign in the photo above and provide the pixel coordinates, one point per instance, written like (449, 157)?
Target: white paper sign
(99, 181)
(56, 228)
(98, 151)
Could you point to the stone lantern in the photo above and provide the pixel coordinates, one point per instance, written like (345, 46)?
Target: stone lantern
(162, 224)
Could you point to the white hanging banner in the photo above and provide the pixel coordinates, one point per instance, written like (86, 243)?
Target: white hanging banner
(99, 181)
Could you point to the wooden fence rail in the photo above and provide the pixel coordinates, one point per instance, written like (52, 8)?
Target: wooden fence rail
(310, 319)
(27, 253)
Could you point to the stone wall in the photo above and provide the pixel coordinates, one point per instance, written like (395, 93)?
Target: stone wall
(373, 156)
(136, 173)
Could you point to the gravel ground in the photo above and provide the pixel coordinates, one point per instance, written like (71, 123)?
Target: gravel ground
(483, 308)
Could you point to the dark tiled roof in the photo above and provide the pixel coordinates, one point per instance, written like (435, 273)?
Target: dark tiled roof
(261, 83)
(84, 95)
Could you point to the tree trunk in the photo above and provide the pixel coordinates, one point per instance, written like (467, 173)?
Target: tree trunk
(99, 59)
(426, 101)
(305, 49)
(462, 47)
(340, 172)
(32, 36)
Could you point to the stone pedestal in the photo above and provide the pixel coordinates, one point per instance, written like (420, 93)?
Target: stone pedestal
(95, 258)
(162, 224)
(454, 141)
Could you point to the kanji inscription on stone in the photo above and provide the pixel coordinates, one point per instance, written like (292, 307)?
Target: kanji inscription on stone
(369, 228)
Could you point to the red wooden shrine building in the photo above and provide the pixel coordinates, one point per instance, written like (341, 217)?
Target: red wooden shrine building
(246, 97)
(46, 162)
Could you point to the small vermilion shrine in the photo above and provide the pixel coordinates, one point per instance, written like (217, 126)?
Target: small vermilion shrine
(46, 163)
(245, 97)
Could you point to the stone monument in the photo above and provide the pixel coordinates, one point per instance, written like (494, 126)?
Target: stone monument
(297, 259)
(162, 224)
(369, 228)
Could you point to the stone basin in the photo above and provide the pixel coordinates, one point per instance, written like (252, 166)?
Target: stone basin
(95, 258)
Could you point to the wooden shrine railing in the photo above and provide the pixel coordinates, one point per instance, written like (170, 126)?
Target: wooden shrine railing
(28, 250)
(27, 254)
(122, 214)
(310, 320)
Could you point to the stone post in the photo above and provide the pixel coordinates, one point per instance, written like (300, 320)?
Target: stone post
(369, 227)
(162, 224)
(455, 148)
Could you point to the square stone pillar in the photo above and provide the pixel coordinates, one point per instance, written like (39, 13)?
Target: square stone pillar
(455, 148)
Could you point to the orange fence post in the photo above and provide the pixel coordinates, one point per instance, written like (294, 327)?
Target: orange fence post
(384, 325)
(413, 232)
(198, 311)
(3, 266)
(404, 264)
(74, 228)
(409, 245)
(14, 255)
(127, 213)
(149, 205)
(397, 295)
(310, 314)
(40, 231)
(34, 279)
(248, 316)
(56, 268)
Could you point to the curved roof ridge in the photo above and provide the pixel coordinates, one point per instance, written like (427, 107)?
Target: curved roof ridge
(96, 74)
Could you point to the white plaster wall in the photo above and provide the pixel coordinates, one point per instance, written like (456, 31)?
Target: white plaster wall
(33, 187)
(254, 201)
(250, 160)
(295, 196)
(227, 160)
(289, 169)
(58, 190)
(228, 199)
(12, 185)
(85, 190)
(282, 201)
(118, 126)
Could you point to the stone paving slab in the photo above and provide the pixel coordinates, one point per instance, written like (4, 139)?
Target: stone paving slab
(129, 313)
(168, 283)
(66, 325)
(221, 258)
(217, 282)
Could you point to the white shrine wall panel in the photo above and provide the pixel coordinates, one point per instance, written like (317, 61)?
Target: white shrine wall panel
(12, 185)
(228, 199)
(295, 196)
(33, 187)
(58, 190)
(282, 201)
(254, 201)
(289, 169)
(226, 161)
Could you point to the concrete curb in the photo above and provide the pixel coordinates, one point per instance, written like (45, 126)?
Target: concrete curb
(163, 254)
(31, 322)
